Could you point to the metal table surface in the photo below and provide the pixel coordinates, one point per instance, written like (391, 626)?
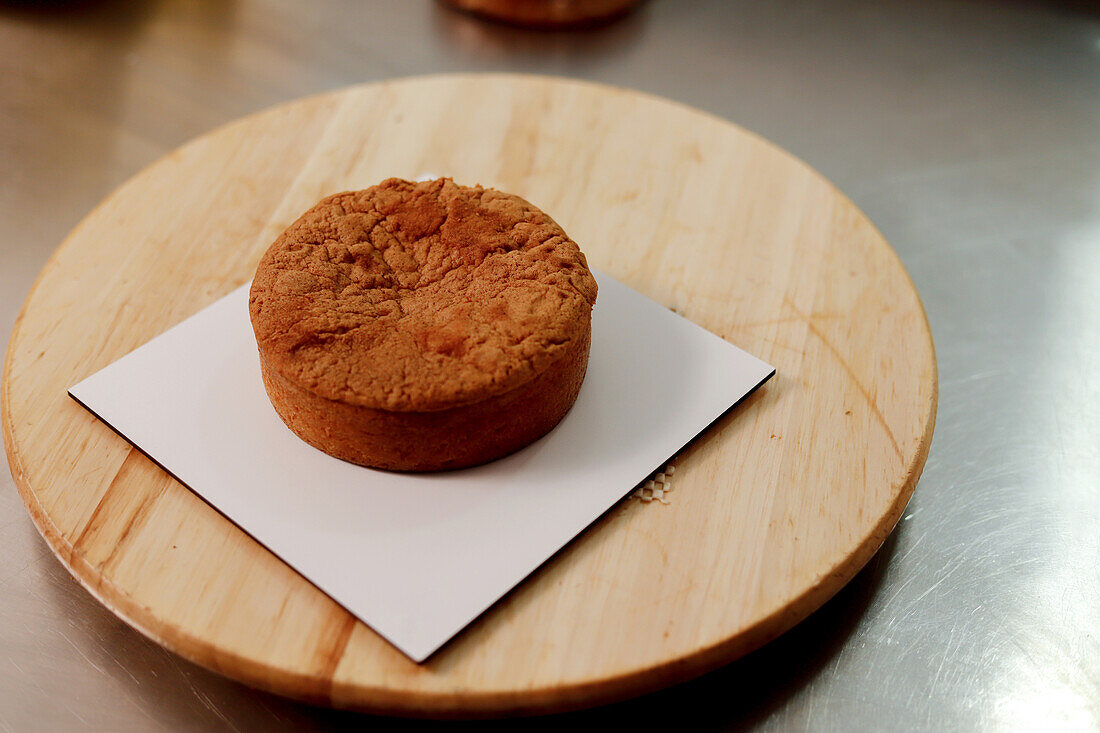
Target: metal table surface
(969, 132)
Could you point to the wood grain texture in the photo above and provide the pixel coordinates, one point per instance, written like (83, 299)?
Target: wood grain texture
(775, 508)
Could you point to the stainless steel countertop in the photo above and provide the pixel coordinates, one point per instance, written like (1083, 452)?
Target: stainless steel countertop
(969, 132)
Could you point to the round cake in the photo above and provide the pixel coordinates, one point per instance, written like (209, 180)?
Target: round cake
(422, 326)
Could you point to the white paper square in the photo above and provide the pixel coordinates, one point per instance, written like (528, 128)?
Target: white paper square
(419, 556)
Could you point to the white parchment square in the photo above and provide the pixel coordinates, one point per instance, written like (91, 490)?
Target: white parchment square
(419, 556)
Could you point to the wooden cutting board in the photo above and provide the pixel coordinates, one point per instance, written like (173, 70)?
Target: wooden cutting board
(770, 511)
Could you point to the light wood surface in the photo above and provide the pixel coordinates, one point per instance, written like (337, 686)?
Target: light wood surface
(774, 508)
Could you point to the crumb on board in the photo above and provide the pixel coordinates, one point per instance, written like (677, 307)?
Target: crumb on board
(657, 486)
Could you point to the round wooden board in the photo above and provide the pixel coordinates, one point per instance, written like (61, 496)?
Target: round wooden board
(773, 510)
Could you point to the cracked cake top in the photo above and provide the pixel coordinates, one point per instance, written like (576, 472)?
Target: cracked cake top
(417, 297)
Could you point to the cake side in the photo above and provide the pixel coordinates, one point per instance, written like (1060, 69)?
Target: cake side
(431, 441)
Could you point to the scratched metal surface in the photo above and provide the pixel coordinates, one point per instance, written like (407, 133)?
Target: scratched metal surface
(969, 132)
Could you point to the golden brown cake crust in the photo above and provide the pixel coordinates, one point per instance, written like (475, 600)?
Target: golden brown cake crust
(433, 441)
(420, 297)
